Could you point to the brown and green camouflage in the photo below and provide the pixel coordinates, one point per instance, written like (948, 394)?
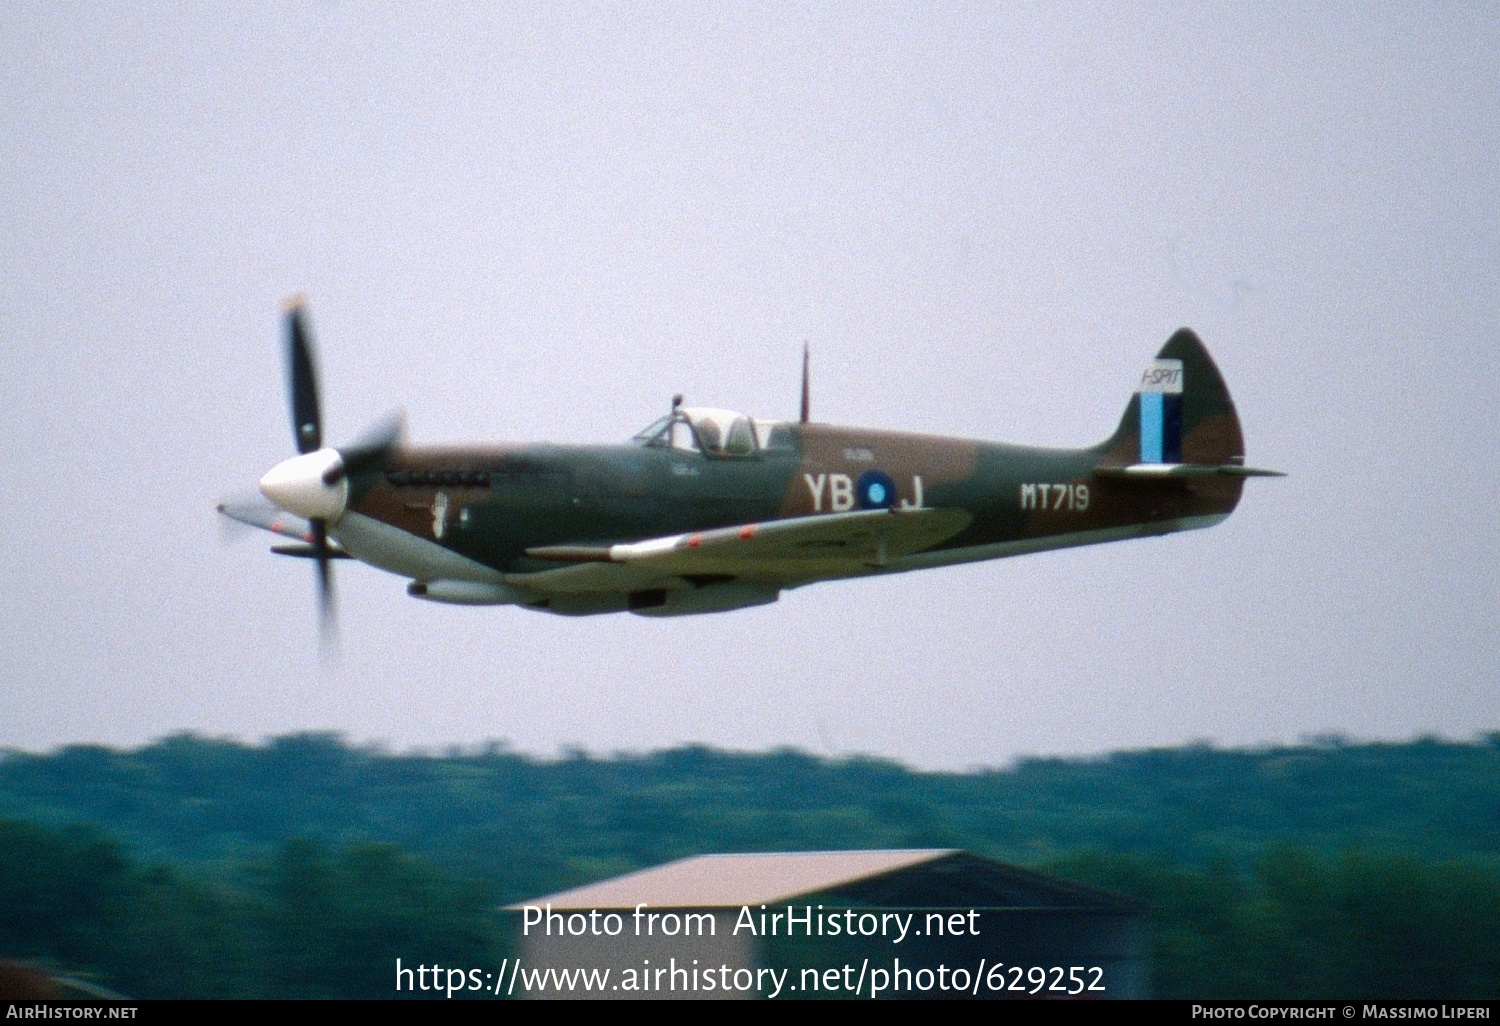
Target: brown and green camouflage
(708, 510)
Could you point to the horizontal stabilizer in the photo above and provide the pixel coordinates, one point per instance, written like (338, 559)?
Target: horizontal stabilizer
(1152, 471)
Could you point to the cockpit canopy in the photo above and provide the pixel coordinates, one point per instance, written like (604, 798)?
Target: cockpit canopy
(713, 432)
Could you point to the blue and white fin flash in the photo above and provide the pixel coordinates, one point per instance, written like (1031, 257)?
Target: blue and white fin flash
(1161, 412)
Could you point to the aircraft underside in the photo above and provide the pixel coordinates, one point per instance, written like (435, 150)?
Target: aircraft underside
(696, 582)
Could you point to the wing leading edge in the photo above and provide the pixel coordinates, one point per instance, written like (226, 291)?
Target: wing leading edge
(777, 553)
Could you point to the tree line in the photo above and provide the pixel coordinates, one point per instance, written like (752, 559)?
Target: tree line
(304, 866)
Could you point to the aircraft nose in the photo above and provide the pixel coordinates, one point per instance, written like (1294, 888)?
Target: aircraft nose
(297, 486)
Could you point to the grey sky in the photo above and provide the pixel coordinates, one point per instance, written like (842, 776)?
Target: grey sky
(540, 221)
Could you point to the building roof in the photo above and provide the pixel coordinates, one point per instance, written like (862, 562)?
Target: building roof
(910, 877)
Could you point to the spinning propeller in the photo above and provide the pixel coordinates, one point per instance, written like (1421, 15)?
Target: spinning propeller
(314, 484)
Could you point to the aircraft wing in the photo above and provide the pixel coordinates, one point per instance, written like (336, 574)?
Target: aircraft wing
(777, 553)
(268, 518)
(254, 513)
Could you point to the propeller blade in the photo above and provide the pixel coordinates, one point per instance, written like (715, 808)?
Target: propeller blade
(327, 604)
(307, 418)
(370, 450)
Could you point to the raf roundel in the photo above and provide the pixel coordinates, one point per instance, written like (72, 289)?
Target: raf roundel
(875, 490)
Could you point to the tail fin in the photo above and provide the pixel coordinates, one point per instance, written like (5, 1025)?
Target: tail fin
(1180, 415)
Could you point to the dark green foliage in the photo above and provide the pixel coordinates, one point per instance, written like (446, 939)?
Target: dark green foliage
(59, 890)
(177, 937)
(528, 825)
(312, 923)
(306, 866)
(1357, 925)
(336, 925)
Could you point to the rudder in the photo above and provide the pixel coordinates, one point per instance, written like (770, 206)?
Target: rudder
(1180, 413)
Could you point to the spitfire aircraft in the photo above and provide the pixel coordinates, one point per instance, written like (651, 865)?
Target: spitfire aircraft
(707, 509)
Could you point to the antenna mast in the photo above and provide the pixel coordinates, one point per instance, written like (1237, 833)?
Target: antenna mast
(806, 403)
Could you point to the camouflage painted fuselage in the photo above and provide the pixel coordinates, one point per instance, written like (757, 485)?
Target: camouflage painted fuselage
(494, 503)
(653, 528)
